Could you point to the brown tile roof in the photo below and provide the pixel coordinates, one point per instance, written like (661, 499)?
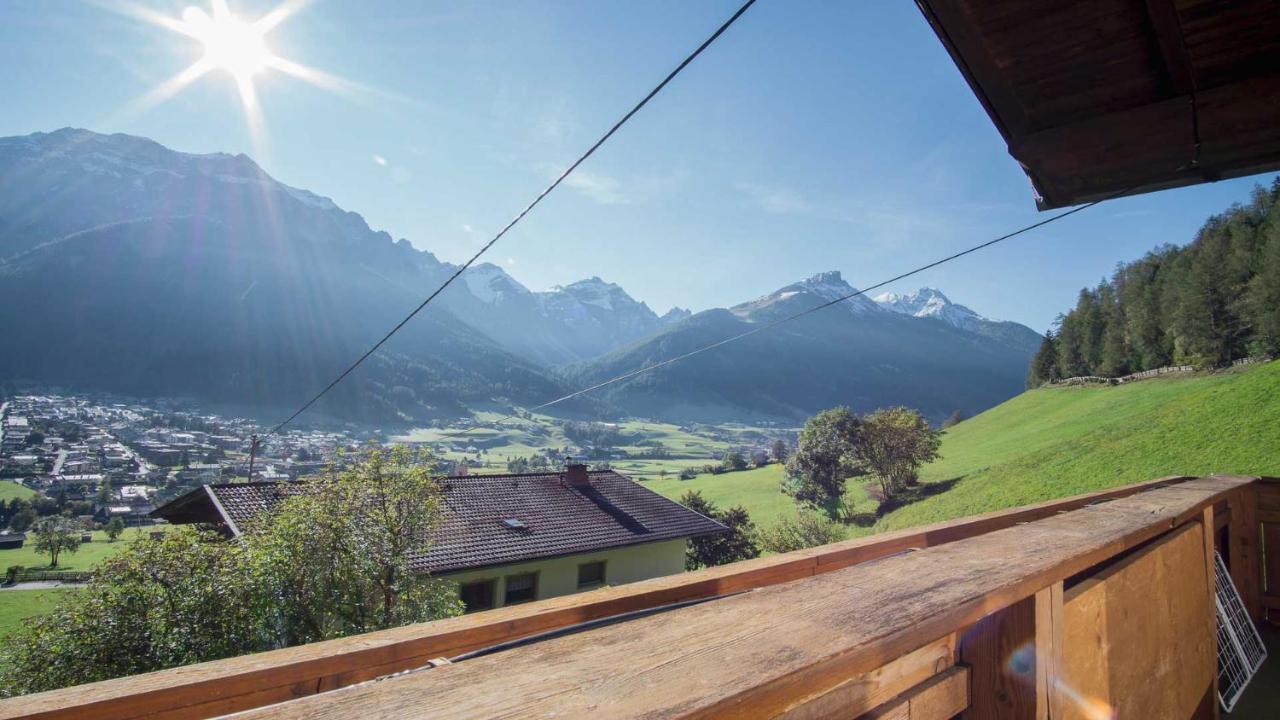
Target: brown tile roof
(558, 519)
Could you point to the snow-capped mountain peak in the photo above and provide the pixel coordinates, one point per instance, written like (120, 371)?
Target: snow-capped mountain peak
(930, 302)
(491, 284)
(825, 286)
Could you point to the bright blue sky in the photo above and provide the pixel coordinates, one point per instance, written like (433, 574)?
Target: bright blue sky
(813, 136)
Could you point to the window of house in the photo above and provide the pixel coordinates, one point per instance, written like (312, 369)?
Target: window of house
(590, 574)
(477, 595)
(521, 588)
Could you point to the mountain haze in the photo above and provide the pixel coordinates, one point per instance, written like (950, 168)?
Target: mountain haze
(855, 352)
(129, 267)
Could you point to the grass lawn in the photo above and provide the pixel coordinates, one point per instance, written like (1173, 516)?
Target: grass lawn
(10, 490)
(1056, 442)
(18, 605)
(1062, 441)
(88, 556)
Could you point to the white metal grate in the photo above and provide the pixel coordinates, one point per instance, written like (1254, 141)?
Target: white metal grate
(1240, 648)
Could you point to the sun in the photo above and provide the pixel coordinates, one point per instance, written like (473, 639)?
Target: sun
(230, 44)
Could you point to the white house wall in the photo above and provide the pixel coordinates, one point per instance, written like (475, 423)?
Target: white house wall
(559, 576)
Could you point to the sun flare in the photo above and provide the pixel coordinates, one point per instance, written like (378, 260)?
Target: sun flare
(230, 43)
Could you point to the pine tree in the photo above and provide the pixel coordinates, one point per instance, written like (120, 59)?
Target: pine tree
(1044, 366)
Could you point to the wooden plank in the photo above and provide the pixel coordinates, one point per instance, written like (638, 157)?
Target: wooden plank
(1271, 556)
(757, 653)
(1244, 549)
(241, 683)
(1000, 651)
(1138, 638)
(867, 691)
(1209, 711)
(1048, 648)
(939, 698)
(1167, 28)
(1011, 655)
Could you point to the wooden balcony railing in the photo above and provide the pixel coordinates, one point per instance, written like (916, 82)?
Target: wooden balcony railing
(925, 623)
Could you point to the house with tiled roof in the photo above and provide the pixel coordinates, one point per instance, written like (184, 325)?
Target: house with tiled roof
(511, 538)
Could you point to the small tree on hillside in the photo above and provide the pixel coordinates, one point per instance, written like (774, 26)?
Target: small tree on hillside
(55, 536)
(114, 528)
(779, 451)
(894, 443)
(824, 458)
(738, 544)
(1044, 366)
(954, 419)
(733, 461)
(105, 493)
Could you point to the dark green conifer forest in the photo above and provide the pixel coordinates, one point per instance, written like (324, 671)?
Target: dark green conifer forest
(1204, 304)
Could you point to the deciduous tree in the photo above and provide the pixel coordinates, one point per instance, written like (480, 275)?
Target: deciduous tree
(332, 561)
(55, 536)
(893, 444)
(824, 458)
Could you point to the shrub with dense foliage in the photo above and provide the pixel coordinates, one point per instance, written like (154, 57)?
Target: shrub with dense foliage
(739, 543)
(329, 562)
(805, 530)
(1205, 304)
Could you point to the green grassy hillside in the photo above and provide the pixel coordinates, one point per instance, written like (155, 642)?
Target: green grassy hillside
(10, 490)
(1056, 442)
(1061, 441)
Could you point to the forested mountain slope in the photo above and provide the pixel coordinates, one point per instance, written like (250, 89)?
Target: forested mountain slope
(1205, 304)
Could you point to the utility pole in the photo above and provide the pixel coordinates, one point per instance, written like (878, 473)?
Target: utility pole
(253, 453)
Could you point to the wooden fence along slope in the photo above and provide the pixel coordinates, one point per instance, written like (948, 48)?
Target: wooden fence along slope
(909, 625)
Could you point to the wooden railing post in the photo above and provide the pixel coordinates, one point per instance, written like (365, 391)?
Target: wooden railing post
(1012, 656)
(1209, 709)
(1267, 493)
(1244, 554)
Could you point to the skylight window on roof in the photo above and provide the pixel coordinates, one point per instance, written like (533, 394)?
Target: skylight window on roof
(514, 524)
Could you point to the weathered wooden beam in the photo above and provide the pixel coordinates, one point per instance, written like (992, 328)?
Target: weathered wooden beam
(1138, 634)
(1000, 652)
(939, 698)
(225, 686)
(1167, 28)
(1208, 528)
(1151, 147)
(1048, 648)
(757, 654)
(867, 691)
(1244, 550)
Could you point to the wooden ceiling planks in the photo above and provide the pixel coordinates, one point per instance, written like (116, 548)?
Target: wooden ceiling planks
(1103, 97)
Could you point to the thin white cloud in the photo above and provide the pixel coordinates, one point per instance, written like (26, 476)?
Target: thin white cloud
(378, 159)
(511, 261)
(776, 199)
(600, 188)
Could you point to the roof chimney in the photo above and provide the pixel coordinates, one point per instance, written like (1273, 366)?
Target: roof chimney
(575, 475)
